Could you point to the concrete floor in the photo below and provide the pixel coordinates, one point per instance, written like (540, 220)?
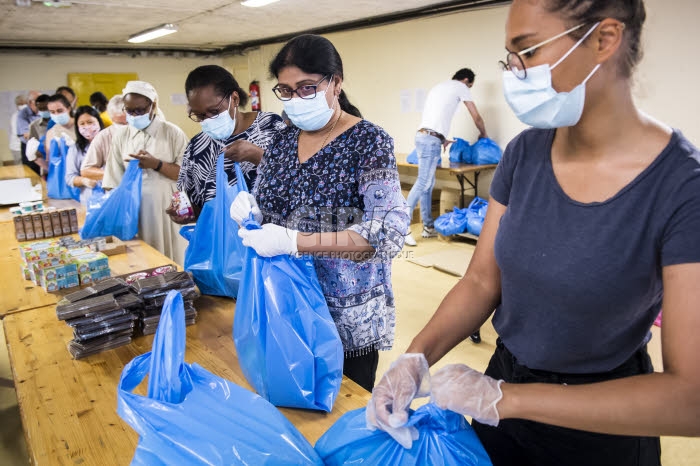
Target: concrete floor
(418, 292)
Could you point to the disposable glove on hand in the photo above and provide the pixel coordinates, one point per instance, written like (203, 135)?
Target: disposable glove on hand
(463, 390)
(407, 378)
(242, 206)
(271, 240)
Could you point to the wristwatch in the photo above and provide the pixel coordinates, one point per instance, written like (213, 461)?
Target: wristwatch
(159, 166)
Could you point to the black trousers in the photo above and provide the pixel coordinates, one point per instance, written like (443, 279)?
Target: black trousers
(26, 161)
(526, 443)
(362, 369)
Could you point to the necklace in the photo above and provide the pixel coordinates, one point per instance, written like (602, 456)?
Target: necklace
(331, 130)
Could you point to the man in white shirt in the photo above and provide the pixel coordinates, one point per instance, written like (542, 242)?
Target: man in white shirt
(440, 107)
(15, 141)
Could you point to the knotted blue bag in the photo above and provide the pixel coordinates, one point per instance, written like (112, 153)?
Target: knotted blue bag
(118, 212)
(452, 223)
(476, 213)
(191, 416)
(445, 439)
(413, 157)
(461, 151)
(287, 343)
(56, 185)
(486, 151)
(214, 255)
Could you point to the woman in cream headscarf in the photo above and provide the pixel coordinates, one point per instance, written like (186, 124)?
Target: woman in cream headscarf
(159, 146)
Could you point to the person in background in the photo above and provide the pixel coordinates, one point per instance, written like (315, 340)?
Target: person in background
(24, 118)
(592, 226)
(69, 94)
(328, 187)
(39, 127)
(159, 147)
(87, 125)
(99, 102)
(440, 107)
(15, 142)
(98, 152)
(214, 98)
(64, 126)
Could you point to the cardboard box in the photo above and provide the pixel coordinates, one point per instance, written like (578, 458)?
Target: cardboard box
(65, 222)
(73, 217)
(56, 223)
(19, 228)
(46, 222)
(28, 227)
(113, 246)
(38, 226)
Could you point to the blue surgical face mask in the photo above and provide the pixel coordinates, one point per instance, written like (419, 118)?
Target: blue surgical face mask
(140, 122)
(309, 114)
(45, 114)
(61, 118)
(535, 102)
(221, 126)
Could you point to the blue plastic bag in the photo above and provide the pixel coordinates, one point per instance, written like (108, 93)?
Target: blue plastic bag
(118, 212)
(452, 223)
(413, 157)
(461, 151)
(486, 151)
(476, 213)
(287, 343)
(215, 253)
(56, 185)
(191, 416)
(445, 439)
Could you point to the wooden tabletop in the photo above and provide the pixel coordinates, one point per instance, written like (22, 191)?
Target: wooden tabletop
(21, 295)
(68, 407)
(11, 172)
(445, 164)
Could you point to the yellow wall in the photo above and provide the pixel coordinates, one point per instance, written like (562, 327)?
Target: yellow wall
(380, 62)
(24, 72)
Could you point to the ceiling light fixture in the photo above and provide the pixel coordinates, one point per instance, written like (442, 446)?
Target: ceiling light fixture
(58, 3)
(257, 3)
(153, 33)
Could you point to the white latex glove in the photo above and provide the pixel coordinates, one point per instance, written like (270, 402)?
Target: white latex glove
(463, 390)
(31, 148)
(407, 378)
(242, 206)
(69, 142)
(88, 183)
(271, 240)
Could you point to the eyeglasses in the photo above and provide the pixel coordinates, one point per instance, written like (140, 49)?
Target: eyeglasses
(200, 117)
(305, 92)
(137, 111)
(514, 61)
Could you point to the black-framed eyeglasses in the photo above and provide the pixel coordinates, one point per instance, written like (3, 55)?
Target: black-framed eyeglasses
(514, 61)
(137, 111)
(200, 117)
(305, 92)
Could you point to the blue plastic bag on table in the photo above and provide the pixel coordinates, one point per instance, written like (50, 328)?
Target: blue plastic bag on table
(486, 151)
(461, 151)
(413, 157)
(287, 343)
(215, 253)
(191, 416)
(452, 223)
(445, 439)
(56, 185)
(476, 213)
(117, 213)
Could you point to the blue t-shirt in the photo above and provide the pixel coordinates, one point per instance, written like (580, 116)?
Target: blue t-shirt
(582, 283)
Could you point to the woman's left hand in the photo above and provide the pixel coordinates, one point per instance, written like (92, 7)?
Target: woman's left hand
(461, 389)
(270, 240)
(145, 159)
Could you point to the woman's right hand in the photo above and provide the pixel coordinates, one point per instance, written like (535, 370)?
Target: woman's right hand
(242, 206)
(407, 378)
(179, 219)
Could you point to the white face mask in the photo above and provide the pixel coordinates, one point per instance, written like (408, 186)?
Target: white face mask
(535, 102)
(309, 114)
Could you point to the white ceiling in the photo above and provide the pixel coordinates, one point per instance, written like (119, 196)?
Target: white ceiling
(203, 24)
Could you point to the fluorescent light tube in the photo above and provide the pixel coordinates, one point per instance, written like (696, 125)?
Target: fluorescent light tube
(153, 33)
(257, 3)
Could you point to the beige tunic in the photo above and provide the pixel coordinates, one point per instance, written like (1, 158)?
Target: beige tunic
(166, 142)
(100, 147)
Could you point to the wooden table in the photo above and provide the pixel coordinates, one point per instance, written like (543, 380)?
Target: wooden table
(11, 172)
(459, 170)
(68, 407)
(21, 295)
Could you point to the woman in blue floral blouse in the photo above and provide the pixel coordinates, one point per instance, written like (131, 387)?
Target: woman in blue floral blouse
(328, 186)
